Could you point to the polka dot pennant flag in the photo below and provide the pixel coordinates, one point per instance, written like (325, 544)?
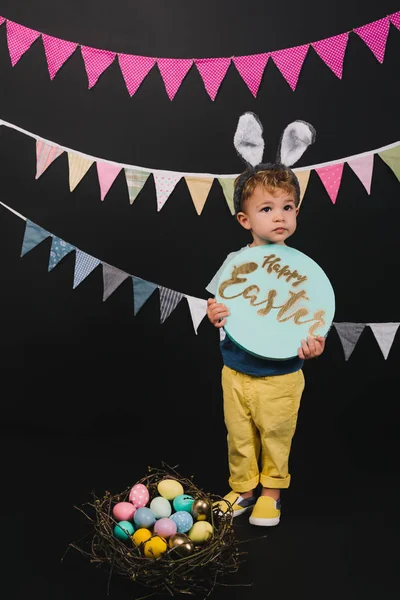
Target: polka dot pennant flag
(19, 40)
(363, 167)
(290, 61)
(45, 155)
(84, 265)
(331, 177)
(2, 19)
(375, 36)
(96, 62)
(78, 167)
(169, 299)
(212, 71)
(165, 182)
(58, 250)
(332, 51)
(107, 174)
(57, 52)
(395, 19)
(251, 68)
(134, 69)
(173, 71)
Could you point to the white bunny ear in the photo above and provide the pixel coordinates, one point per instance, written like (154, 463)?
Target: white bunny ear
(248, 139)
(296, 138)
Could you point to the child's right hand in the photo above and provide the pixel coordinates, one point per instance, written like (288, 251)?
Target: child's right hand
(216, 313)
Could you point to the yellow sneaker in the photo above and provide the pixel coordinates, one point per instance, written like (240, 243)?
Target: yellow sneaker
(239, 504)
(267, 512)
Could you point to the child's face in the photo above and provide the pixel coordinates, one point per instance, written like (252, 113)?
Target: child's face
(271, 218)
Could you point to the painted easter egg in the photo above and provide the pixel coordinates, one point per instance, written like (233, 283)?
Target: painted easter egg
(123, 530)
(160, 507)
(155, 547)
(165, 527)
(183, 502)
(139, 495)
(183, 520)
(201, 532)
(123, 511)
(144, 517)
(141, 535)
(169, 488)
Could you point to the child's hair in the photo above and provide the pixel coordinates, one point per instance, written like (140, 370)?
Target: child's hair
(271, 177)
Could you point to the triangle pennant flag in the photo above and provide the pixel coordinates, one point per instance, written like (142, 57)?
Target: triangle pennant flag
(96, 62)
(2, 19)
(135, 180)
(34, 234)
(169, 299)
(375, 36)
(363, 167)
(78, 167)
(251, 69)
(19, 40)
(227, 184)
(107, 173)
(142, 290)
(392, 158)
(165, 182)
(331, 177)
(173, 72)
(290, 61)
(57, 52)
(303, 178)
(349, 334)
(58, 250)
(199, 188)
(384, 334)
(212, 71)
(134, 69)
(331, 51)
(45, 155)
(395, 19)
(198, 310)
(112, 278)
(84, 265)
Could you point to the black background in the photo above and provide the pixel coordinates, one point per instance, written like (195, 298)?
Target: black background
(93, 395)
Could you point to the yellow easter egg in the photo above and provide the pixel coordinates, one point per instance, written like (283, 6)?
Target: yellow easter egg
(155, 547)
(141, 535)
(201, 532)
(169, 488)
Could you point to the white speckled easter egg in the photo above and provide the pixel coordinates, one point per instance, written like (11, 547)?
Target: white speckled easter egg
(139, 495)
(183, 520)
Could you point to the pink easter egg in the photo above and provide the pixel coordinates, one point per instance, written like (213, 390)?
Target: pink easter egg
(139, 495)
(165, 527)
(124, 511)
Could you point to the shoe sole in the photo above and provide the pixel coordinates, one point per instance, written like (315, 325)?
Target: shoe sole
(264, 522)
(238, 512)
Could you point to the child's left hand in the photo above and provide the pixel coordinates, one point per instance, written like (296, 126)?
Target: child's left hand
(312, 347)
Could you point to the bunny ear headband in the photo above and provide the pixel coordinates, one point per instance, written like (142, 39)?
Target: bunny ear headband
(249, 144)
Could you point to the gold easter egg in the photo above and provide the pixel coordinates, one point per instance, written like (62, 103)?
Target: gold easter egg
(170, 488)
(181, 544)
(201, 532)
(201, 509)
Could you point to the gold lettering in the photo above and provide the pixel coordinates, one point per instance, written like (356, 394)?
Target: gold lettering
(251, 297)
(236, 271)
(270, 303)
(290, 302)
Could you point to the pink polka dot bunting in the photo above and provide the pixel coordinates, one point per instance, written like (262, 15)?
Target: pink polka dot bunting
(289, 61)
(19, 40)
(165, 183)
(173, 71)
(134, 69)
(375, 36)
(395, 19)
(2, 19)
(212, 71)
(57, 52)
(251, 68)
(332, 51)
(96, 62)
(139, 495)
(331, 177)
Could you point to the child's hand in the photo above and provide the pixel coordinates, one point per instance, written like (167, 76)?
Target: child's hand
(216, 313)
(312, 347)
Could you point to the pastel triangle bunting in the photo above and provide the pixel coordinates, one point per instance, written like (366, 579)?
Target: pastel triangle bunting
(107, 173)
(349, 334)
(363, 167)
(45, 155)
(142, 290)
(375, 36)
(165, 183)
(392, 158)
(33, 235)
(84, 265)
(212, 71)
(290, 61)
(135, 181)
(169, 299)
(96, 62)
(58, 250)
(57, 52)
(78, 167)
(227, 184)
(134, 69)
(199, 188)
(198, 310)
(251, 69)
(331, 177)
(332, 50)
(19, 40)
(384, 334)
(112, 279)
(303, 178)
(173, 72)
(395, 19)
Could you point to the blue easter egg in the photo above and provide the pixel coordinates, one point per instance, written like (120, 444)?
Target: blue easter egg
(183, 502)
(123, 530)
(183, 520)
(144, 517)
